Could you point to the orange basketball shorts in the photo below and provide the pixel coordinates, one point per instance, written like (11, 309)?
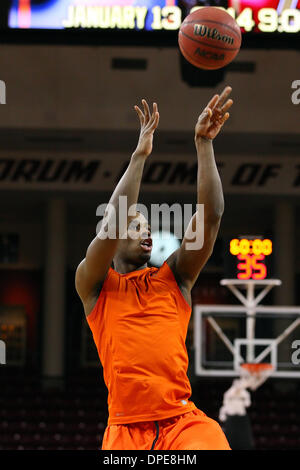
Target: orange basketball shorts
(189, 431)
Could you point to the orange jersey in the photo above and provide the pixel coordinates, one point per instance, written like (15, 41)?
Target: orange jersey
(139, 326)
(189, 431)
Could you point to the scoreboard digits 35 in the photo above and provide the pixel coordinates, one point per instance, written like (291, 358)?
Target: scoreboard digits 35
(251, 254)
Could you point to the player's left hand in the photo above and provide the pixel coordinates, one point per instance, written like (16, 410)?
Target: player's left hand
(214, 115)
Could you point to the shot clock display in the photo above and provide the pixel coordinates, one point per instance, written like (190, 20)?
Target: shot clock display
(252, 255)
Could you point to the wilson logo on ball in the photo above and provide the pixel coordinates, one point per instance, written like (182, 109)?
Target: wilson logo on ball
(205, 31)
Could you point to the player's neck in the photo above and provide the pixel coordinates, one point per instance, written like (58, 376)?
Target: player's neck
(123, 268)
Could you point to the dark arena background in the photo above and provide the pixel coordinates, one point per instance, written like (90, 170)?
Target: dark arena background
(70, 77)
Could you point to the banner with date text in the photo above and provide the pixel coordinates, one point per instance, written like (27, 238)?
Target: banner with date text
(266, 16)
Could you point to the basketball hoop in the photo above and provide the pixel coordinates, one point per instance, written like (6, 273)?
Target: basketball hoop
(255, 374)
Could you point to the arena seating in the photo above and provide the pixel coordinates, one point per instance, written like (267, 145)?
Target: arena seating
(75, 418)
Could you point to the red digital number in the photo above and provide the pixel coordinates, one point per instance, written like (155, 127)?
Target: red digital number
(246, 267)
(251, 263)
(260, 267)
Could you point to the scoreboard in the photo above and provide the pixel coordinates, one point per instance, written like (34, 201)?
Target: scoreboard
(250, 257)
(253, 16)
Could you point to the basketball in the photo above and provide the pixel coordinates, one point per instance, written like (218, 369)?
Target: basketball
(209, 38)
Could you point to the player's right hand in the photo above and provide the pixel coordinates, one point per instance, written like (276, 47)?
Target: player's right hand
(213, 117)
(149, 123)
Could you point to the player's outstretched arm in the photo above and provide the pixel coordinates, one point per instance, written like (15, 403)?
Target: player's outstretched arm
(190, 258)
(93, 269)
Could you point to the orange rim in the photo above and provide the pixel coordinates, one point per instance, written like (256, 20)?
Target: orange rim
(255, 368)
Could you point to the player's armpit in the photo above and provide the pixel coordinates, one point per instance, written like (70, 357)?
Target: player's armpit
(94, 267)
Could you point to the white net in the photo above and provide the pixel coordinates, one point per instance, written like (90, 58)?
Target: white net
(237, 398)
(253, 375)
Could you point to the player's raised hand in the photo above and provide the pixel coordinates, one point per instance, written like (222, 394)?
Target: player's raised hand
(214, 115)
(149, 122)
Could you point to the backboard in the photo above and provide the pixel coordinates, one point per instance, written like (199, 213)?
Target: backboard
(225, 336)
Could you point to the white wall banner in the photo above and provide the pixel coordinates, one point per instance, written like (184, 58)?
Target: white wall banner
(101, 172)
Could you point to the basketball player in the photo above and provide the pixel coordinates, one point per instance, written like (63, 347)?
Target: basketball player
(139, 316)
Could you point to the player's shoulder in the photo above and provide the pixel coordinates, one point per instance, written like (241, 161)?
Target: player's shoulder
(164, 272)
